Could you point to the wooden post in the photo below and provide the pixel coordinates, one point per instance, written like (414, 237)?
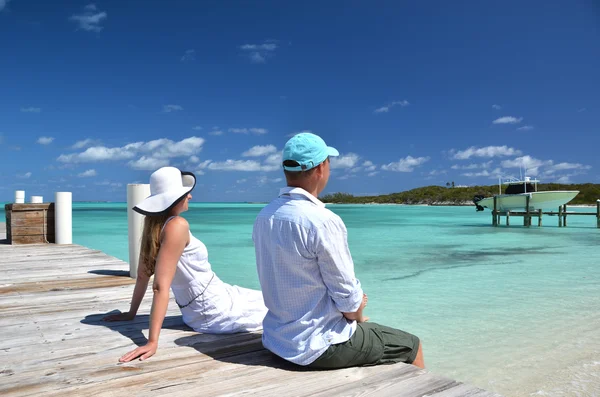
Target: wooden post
(527, 218)
(560, 216)
(540, 217)
(598, 213)
(495, 212)
(507, 218)
(565, 215)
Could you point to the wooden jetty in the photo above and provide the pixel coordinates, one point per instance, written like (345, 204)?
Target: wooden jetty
(527, 215)
(53, 342)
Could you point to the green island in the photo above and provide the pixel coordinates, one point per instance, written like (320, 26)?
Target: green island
(449, 195)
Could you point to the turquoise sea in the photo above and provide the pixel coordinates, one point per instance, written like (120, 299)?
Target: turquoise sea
(510, 309)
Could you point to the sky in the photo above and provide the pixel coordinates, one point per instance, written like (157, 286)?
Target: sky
(98, 95)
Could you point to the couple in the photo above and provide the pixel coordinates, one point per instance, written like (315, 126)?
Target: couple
(311, 305)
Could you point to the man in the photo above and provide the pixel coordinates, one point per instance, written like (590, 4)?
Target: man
(306, 272)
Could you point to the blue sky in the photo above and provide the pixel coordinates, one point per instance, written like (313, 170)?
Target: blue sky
(98, 95)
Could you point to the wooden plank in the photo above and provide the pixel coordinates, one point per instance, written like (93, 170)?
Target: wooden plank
(15, 207)
(54, 342)
(32, 239)
(32, 214)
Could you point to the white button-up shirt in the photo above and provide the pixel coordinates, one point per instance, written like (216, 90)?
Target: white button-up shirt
(307, 276)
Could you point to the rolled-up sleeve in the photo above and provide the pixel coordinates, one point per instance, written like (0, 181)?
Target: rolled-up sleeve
(336, 265)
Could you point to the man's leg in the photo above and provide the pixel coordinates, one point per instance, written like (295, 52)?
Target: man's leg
(419, 362)
(372, 344)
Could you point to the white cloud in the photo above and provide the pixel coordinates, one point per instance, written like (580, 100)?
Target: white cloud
(476, 174)
(194, 159)
(45, 140)
(372, 173)
(87, 173)
(406, 164)
(276, 180)
(346, 161)
(488, 151)
(188, 56)
(171, 108)
(235, 165)
(31, 110)
(525, 128)
(259, 53)
(526, 162)
(569, 166)
(386, 108)
(564, 179)
(239, 181)
(148, 163)
(497, 107)
(108, 183)
(257, 57)
(90, 19)
(216, 132)
(196, 128)
(273, 161)
(3, 4)
(508, 120)
(369, 166)
(437, 172)
(84, 143)
(258, 151)
(26, 175)
(581, 110)
(257, 131)
(157, 149)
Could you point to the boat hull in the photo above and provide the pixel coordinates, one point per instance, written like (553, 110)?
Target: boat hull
(544, 201)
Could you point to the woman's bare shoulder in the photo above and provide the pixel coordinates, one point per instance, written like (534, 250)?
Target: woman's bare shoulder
(176, 224)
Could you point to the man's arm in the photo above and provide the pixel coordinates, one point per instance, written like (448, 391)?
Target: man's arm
(337, 269)
(358, 315)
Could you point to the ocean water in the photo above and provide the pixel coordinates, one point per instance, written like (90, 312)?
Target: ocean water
(510, 309)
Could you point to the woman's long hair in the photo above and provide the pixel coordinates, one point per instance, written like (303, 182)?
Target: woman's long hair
(151, 241)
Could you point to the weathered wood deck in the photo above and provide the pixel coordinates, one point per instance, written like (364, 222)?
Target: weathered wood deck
(52, 342)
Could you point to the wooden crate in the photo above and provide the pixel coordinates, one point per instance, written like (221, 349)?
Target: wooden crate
(30, 223)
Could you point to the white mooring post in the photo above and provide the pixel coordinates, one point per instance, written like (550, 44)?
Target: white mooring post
(135, 194)
(19, 196)
(36, 199)
(63, 217)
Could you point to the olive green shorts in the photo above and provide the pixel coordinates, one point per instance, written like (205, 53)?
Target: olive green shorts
(371, 344)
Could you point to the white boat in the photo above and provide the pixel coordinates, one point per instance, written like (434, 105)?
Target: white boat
(515, 197)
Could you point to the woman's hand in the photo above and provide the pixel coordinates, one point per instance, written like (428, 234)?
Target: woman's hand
(127, 316)
(143, 352)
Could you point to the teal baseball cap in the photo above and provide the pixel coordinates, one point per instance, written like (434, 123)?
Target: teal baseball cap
(308, 150)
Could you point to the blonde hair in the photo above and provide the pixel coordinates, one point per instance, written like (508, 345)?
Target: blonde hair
(153, 225)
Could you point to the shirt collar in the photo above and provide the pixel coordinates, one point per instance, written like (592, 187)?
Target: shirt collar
(289, 190)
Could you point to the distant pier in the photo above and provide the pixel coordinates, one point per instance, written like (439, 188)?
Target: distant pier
(527, 215)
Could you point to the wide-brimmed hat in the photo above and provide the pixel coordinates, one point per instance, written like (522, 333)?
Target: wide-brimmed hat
(307, 150)
(168, 186)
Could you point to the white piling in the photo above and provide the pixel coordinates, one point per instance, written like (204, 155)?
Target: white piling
(63, 217)
(135, 194)
(36, 199)
(19, 196)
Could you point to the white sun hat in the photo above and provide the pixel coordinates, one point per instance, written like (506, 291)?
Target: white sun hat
(168, 186)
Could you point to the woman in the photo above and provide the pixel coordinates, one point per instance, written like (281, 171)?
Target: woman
(179, 261)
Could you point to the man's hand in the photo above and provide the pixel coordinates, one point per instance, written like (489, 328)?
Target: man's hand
(127, 316)
(143, 352)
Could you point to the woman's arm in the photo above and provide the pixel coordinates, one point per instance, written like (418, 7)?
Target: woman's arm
(175, 238)
(141, 285)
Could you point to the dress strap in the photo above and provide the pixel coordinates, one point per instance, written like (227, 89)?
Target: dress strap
(167, 221)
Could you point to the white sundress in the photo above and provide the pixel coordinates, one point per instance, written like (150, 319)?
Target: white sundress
(208, 304)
